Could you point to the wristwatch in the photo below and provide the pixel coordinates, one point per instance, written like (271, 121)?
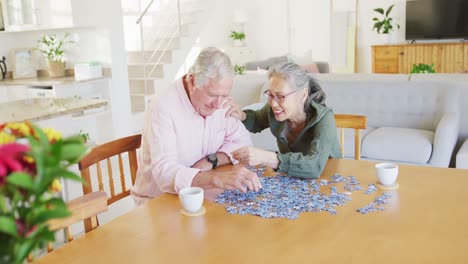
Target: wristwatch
(213, 159)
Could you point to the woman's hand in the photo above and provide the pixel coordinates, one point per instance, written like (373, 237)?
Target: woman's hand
(233, 110)
(254, 156)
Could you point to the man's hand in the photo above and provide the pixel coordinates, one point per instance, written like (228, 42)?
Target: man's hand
(203, 165)
(239, 178)
(233, 110)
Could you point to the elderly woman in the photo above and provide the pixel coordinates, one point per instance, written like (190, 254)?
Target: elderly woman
(296, 114)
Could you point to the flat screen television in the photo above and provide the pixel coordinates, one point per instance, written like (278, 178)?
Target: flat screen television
(436, 19)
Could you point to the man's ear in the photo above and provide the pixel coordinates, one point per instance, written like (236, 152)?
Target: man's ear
(191, 81)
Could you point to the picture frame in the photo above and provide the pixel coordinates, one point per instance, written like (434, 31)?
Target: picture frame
(23, 62)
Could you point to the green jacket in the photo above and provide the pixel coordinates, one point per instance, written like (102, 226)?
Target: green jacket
(308, 155)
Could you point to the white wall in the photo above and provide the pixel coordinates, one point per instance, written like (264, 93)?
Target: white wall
(267, 27)
(367, 37)
(106, 16)
(308, 28)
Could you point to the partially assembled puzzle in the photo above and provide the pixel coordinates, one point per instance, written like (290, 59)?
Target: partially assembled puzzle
(287, 197)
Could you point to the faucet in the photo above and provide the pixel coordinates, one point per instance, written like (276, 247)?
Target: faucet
(3, 67)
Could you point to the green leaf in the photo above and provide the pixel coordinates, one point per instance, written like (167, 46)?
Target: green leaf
(66, 174)
(8, 226)
(41, 234)
(21, 179)
(78, 139)
(379, 10)
(55, 203)
(46, 215)
(23, 250)
(38, 154)
(42, 137)
(3, 204)
(389, 10)
(376, 19)
(72, 152)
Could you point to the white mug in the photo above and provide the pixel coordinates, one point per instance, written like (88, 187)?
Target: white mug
(387, 173)
(191, 198)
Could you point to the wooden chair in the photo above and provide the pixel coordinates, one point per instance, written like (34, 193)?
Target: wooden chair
(106, 152)
(86, 207)
(356, 122)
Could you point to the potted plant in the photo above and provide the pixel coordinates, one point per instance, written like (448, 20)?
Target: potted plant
(54, 49)
(84, 135)
(423, 68)
(386, 24)
(239, 69)
(32, 162)
(238, 38)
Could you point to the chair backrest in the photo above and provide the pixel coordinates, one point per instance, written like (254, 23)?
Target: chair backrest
(356, 122)
(83, 208)
(106, 152)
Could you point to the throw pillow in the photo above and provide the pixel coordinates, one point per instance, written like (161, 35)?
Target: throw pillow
(312, 68)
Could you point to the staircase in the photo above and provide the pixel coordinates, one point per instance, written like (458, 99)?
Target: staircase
(163, 31)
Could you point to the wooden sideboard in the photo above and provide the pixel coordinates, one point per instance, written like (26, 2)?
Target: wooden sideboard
(447, 57)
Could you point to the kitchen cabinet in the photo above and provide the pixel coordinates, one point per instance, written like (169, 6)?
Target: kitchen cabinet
(25, 15)
(12, 90)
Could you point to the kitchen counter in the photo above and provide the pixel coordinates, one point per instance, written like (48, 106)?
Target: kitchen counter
(45, 108)
(45, 81)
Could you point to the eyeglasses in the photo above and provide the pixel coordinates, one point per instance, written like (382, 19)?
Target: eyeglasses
(278, 98)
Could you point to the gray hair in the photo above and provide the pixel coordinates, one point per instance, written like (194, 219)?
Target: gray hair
(211, 64)
(299, 78)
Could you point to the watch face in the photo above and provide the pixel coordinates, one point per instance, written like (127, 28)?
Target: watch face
(212, 157)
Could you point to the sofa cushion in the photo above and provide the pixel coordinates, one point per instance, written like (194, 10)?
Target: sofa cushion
(264, 140)
(246, 87)
(398, 144)
(312, 68)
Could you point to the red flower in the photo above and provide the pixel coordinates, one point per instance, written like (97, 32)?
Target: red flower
(11, 159)
(21, 228)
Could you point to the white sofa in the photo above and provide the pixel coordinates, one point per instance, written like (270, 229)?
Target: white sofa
(462, 79)
(462, 156)
(408, 122)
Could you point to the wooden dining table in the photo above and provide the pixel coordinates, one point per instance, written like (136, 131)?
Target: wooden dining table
(424, 221)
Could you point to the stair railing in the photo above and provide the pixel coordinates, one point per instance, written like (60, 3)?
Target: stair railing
(163, 42)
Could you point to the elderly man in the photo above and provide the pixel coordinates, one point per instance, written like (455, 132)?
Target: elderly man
(187, 134)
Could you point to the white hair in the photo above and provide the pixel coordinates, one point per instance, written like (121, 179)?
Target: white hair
(299, 78)
(211, 64)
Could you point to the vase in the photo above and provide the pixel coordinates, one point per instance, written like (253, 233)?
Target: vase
(238, 43)
(386, 38)
(56, 68)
